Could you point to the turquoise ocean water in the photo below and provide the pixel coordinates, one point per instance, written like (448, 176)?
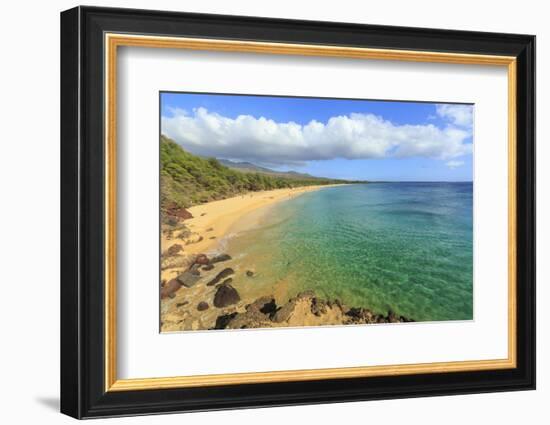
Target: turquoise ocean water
(400, 246)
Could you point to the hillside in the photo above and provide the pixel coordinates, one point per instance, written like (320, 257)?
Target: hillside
(188, 180)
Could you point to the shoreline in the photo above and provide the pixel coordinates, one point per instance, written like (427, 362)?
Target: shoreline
(215, 220)
(205, 285)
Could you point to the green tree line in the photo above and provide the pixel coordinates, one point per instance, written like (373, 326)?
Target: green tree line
(188, 180)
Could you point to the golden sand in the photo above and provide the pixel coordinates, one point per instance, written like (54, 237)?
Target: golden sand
(214, 220)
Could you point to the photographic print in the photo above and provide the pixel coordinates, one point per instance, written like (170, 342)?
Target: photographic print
(293, 211)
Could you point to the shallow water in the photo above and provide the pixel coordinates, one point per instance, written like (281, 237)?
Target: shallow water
(400, 246)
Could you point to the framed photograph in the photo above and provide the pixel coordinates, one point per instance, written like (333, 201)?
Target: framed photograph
(261, 212)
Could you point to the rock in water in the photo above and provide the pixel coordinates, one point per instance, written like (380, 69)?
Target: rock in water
(219, 258)
(221, 275)
(203, 305)
(359, 315)
(226, 295)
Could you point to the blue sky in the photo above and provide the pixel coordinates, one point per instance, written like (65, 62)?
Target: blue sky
(350, 139)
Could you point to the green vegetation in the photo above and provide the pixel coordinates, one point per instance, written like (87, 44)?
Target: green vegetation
(188, 179)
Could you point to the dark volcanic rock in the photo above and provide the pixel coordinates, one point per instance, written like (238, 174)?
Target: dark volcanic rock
(202, 259)
(182, 304)
(265, 305)
(360, 315)
(219, 258)
(318, 307)
(264, 313)
(249, 273)
(221, 275)
(203, 305)
(223, 320)
(170, 288)
(190, 277)
(257, 315)
(208, 267)
(226, 295)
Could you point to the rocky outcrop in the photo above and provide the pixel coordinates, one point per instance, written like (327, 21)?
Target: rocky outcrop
(223, 320)
(264, 305)
(226, 295)
(305, 309)
(284, 313)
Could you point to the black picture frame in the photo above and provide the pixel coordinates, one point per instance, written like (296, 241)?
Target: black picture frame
(83, 392)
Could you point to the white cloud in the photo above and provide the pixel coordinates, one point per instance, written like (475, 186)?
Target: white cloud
(353, 136)
(459, 115)
(454, 164)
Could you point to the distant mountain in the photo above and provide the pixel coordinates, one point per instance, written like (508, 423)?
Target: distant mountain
(248, 167)
(245, 166)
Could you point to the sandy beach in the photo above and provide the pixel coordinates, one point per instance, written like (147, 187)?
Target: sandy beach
(215, 220)
(206, 284)
(204, 235)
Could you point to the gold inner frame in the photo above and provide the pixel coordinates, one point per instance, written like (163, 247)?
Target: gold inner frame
(113, 41)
